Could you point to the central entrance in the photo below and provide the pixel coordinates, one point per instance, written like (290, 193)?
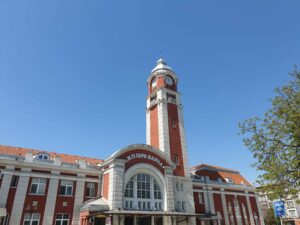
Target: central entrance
(142, 220)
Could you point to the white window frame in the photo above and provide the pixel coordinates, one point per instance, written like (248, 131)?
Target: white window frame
(31, 219)
(61, 220)
(294, 213)
(69, 185)
(40, 186)
(91, 191)
(290, 204)
(131, 199)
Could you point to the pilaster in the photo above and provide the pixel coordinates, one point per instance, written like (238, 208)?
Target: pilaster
(51, 198)
(80, 183)
(260, 214)
(163, 123)
(6, 181)
(21, 191)
(116, 182)
(224, 205)
(250, 210)
(183, 137)
(170, 199)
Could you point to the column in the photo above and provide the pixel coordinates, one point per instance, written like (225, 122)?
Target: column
(6, 181)
(260, 214)
(224, 205)
(21, 191)
(135, 220)
(192, 220)
(80, 183)
(115, 220)
(167, 220)
(51, 198)
(121, 220)
(152, 220)
(249, 209)
(174, 220)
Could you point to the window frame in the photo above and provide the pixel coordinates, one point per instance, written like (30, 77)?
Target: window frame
(88, 190)
(30, 217)
(62, 219)
(14, 181)
(143, 192)
(37, 181)
(67, 184)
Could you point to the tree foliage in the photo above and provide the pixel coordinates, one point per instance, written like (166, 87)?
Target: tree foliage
(270, 218)
(274, 141)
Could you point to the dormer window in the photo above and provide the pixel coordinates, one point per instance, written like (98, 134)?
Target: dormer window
(229, 180)
(43, 156)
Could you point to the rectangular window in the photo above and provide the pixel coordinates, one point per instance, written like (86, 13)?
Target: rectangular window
(38, 186)
(292, 213)
(290, 204)
(14, 181)
(90, 189)
(62, 219)
(66, 187)
(183, 206)
(31, 219)
(201, 198)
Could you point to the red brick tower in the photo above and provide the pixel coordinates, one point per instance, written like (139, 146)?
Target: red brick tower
(165, 127)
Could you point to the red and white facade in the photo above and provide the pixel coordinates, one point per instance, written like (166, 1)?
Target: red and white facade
(141, 184)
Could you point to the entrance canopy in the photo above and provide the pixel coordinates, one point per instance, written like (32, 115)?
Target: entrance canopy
(98, 205)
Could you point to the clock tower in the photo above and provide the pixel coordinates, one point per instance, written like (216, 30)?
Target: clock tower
(165, 127)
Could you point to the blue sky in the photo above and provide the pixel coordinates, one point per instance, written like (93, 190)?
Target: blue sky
(73, 73)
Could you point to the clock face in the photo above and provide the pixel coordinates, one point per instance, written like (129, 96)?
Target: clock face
(153, 84)
(169, 80)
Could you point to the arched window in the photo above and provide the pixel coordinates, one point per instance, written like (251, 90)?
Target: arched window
(142, 192)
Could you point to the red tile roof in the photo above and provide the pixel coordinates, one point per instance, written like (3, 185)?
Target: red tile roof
(222, 173)
(9, 150)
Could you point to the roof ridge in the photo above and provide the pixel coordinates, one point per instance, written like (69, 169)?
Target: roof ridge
(50, 152)
(216, 167)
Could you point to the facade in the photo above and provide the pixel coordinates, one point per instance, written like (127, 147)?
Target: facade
(292, 208)
(140, 184)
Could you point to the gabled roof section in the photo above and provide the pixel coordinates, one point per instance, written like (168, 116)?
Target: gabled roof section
(213, 167)
(18, 151)
(217, 172)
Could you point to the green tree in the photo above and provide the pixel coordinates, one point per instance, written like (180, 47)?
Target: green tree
(270, 218)
(274, 141)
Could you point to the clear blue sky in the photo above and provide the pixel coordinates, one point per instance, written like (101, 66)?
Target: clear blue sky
(73, 73)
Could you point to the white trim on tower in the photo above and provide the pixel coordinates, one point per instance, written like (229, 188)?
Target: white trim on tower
(182, 137)
(163, 126)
